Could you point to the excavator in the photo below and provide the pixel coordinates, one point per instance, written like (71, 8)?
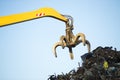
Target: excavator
(68, 40)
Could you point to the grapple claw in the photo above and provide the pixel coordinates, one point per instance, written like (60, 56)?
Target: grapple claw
(88, 46)
(82, 37)
(71, 53)
(55, 46)
(70, 40)
(86, 42)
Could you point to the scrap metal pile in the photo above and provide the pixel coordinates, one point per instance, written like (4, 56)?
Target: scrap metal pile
(100, 64)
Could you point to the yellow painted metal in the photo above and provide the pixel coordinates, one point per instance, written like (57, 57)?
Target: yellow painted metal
(21, 17)
(105, 65)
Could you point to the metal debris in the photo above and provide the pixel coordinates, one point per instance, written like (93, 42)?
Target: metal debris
(100, 64)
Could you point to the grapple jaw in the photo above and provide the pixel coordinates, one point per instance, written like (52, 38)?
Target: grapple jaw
(70, 40)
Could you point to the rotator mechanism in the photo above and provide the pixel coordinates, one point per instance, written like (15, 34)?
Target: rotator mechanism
(70, 40)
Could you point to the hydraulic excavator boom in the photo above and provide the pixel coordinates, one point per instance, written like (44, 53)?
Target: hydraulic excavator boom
(43, 12)
(69, 40)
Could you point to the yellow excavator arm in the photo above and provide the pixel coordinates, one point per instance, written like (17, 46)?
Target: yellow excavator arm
(21, 17)
(69, 40)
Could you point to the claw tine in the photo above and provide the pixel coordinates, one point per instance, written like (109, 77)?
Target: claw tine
(83, 37)
(55, 46)
(86, 42)
(71, 53)
(88, 45)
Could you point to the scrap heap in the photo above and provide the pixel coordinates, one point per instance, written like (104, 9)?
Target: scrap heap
(100, 64)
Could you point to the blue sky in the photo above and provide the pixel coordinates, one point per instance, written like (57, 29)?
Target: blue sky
(26, 48)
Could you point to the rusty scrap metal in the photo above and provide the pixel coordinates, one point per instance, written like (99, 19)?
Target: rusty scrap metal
(94, 66)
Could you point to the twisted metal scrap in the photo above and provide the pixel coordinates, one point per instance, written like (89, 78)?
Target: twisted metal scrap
(70, 40)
